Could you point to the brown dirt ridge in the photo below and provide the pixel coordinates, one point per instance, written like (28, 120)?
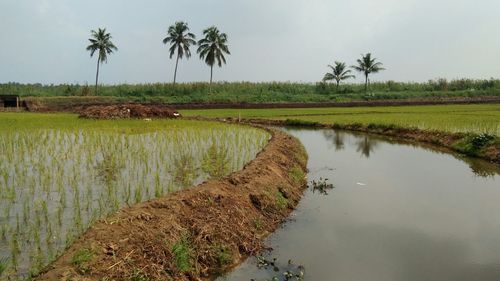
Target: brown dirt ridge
(120, 111)
(76, 103)
(194, 234)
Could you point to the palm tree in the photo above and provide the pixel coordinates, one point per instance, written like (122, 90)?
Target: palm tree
(180, 39)
(100, 42)
(213, 47)
(339, 73)
(368, 65)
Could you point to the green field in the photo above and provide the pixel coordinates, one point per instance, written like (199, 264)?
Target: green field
(449, 118)
(59, 174)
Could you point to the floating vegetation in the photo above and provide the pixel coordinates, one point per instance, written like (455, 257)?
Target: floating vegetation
(322, 186)
(55, 183)
(288, 272)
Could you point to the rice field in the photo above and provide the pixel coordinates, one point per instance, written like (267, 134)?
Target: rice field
(449, 118)
(59, 174)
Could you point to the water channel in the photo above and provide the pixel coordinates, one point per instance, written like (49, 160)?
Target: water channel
(398, 211)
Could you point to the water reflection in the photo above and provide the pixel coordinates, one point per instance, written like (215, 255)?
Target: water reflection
(430, 217)
(366, 145)
(336, 138)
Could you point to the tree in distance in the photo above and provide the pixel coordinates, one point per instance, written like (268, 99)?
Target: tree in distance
(368, 65)
(180, 40)
(339, 73)
(100, 42)
(212, 48)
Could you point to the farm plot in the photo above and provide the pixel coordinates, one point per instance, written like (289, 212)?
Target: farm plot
(55, 181)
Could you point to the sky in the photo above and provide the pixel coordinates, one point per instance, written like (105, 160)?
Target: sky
(44, 41)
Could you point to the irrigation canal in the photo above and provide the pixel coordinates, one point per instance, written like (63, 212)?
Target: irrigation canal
(397, 212)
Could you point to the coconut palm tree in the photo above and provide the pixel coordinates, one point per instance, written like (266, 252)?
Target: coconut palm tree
(367, 65)
(339, 73)
(213, 47)
(180, 40)
(100, 42)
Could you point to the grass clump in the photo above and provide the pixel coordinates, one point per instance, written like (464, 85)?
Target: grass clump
(138, 275)
(3, 265)
(223, 255)
(281, 201)
(297, 174)
(81, 258)
(472, 144)
(258, 224)
(183, 252)
(300, 123)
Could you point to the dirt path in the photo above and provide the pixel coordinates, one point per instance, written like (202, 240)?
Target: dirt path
(193, 234)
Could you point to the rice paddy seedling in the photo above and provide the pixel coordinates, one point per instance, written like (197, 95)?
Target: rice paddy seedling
(59, 174)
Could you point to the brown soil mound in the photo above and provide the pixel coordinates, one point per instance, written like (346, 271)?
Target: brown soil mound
(193, 234)
(121, 111)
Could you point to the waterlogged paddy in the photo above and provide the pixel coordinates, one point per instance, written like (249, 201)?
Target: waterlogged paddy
(397, 212)
(56, 181)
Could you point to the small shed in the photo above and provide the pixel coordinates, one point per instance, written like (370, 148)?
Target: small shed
(10, 101)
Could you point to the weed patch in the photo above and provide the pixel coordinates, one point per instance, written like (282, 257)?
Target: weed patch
(297, 174)
(281, 201)
(183, 252)
(81, 257)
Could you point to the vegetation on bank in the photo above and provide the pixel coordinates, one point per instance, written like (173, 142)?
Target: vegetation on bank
(262, 92)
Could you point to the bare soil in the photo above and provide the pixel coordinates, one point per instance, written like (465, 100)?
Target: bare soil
(121, 111)
(223, 221)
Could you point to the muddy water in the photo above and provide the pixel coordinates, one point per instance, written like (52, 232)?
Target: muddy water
(397, 212)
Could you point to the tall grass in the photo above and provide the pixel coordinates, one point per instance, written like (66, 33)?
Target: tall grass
(262, 92)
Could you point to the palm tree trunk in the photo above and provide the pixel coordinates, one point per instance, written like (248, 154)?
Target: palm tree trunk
(97, 74)
(366, 82)
(211, 73)
(176, 63)
(338, 84)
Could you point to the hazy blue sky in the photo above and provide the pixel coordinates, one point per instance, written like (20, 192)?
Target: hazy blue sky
(270, 40)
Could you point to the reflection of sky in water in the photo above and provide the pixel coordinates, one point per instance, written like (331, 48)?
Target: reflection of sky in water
(422, 215)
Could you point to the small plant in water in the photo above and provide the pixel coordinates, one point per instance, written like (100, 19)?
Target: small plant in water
(322, 186)
(287, 272)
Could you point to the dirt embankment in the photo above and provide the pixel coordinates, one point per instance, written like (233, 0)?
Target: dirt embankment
(121, 111)
(76, 104)
(193, 234)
